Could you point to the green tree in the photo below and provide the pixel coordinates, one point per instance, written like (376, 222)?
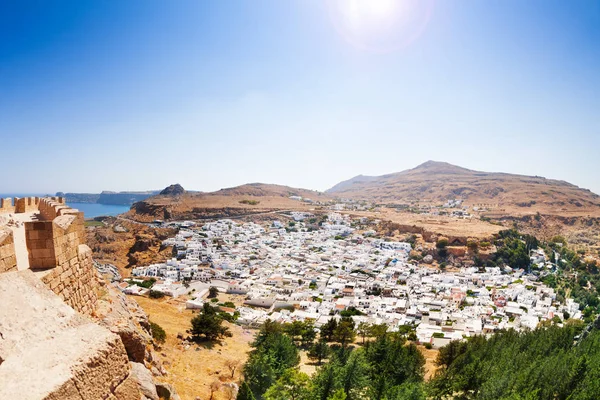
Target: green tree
(274, 353)
(354, 375)
(308, 334)
(245, 393)
(450, 352)
(259, 374)
(338, 395)
(328, 329)
(379, 330)
(213, 292)
(268, 329)
(208, 324)
(292, 385)
(393, 363)
(407, 391)
(319, 351)
(325, 382)
(363, 330)
(301, 331)
(344, 332)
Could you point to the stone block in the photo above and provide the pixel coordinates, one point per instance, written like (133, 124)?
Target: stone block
(65, 357)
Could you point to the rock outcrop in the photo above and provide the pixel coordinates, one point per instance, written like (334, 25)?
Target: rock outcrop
(126, 319)
(173, 190)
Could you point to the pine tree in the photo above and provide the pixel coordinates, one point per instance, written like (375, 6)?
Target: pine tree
(245, 392)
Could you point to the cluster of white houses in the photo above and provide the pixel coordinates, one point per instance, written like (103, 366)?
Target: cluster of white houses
(287, 272)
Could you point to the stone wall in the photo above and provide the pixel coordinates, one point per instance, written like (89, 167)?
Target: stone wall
(26, 204)
(56, 244)
(6, 206)
(8, 259)
(76, 281)
(48, 351)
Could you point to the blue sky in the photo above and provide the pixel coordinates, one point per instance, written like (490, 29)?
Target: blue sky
(133, 95)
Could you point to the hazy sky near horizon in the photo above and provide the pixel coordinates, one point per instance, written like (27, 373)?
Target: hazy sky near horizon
(139, 94)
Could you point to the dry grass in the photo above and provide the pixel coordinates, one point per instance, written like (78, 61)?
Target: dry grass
(194, 369)
(430, 356)
(437, 224)
(307, 366)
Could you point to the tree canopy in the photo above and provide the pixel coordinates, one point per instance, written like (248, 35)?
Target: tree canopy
(208, 324)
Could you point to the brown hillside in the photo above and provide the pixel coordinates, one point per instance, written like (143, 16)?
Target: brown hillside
(435, 182)
(250, 199)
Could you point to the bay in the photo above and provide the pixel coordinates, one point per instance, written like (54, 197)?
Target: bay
(90, 210)
(93, 210)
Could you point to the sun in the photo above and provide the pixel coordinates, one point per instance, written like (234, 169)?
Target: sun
(380, 25)
(363, 13)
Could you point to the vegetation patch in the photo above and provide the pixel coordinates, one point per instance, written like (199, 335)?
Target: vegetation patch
(249, 202)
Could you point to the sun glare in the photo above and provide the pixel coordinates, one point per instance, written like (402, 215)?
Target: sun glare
(380, 25)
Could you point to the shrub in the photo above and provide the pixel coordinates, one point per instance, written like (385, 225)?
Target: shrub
(155, 294)
(442, 243)
(158, 333)
(249, 202)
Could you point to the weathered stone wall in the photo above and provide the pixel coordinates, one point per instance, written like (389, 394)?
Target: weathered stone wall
(26, 204)
(49, 351)
(54, 242)
(57, 244)
(40, 244)
(67, 356)
(53, 207)
(76, 281)
(8, 259)
(6, 206)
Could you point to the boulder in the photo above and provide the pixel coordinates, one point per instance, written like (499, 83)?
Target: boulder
(143, 378)
(166, 391)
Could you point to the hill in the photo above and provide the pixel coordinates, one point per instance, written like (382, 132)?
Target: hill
(436, 182)
(239, 201)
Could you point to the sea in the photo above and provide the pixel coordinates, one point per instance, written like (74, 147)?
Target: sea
(93, 210)
(90, 210)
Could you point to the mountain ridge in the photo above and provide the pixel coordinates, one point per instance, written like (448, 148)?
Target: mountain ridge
(435, 182)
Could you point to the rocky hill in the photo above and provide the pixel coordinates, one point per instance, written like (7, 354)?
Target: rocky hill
(250, 199)
(436, 182)
(173, 190)
(126, 244)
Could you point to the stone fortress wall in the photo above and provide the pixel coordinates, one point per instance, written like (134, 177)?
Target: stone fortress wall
(8, 258)
(72, 353)
(55, 241)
